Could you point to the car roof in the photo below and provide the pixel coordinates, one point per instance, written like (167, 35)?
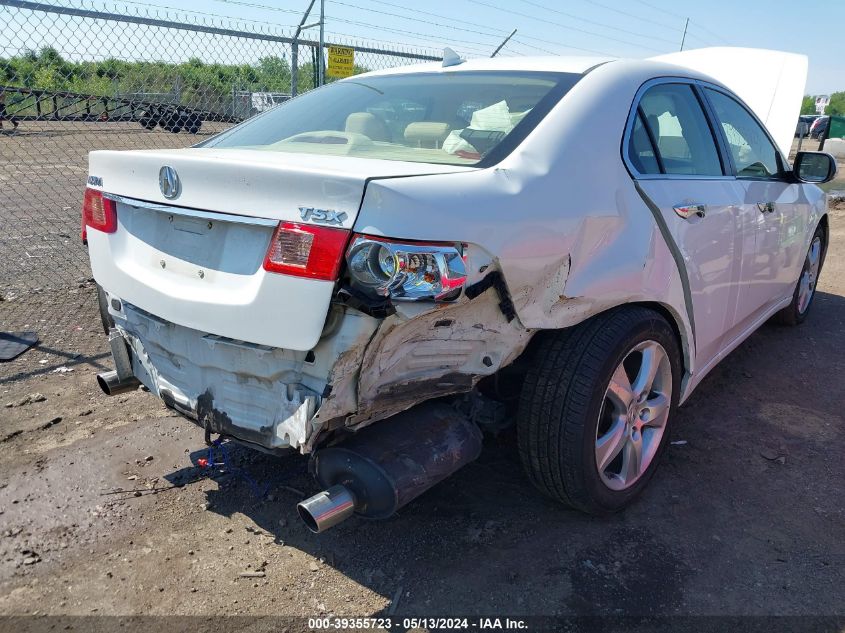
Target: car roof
(561, 64)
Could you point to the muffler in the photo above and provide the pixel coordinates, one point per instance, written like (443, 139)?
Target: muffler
(384, 466)
(112, 384)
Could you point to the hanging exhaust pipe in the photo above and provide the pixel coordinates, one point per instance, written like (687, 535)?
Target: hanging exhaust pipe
(383, 467)
(121, 379)
(112, 384)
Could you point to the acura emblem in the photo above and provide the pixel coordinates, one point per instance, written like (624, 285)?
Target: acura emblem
(168, 182)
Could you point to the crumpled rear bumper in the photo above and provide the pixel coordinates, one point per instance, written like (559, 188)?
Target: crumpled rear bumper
(251, 392)
(363, 369)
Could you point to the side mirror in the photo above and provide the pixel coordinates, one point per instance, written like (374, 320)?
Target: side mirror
(815, 167)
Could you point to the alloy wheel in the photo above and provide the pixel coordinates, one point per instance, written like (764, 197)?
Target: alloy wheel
(633, 415)
(807, 283)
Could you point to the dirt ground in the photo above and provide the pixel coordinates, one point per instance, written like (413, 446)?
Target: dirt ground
(103, 511)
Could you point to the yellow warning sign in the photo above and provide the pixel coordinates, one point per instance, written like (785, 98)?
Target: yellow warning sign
(341, 61)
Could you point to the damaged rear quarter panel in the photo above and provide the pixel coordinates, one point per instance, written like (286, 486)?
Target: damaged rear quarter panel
(443, 351)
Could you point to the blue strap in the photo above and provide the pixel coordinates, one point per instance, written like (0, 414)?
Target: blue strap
(257, 490)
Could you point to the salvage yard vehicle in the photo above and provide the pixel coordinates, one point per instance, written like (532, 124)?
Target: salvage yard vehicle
(374, 271)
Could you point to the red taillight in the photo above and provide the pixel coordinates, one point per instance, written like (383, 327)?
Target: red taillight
(305, 250)
(98, 213)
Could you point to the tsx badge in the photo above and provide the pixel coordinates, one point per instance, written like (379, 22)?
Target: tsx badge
(324, 216)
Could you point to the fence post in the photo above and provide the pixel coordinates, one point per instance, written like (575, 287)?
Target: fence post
(294, 52)
(321, 72)
(294, 68)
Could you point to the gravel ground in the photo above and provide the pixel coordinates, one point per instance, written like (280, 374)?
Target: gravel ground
(103, 512)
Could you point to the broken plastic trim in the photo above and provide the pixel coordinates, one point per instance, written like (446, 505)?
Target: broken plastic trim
(349, 296)
(497, 281)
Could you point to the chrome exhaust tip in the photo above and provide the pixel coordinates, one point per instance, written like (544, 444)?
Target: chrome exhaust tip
(327, 508)
(111, 384)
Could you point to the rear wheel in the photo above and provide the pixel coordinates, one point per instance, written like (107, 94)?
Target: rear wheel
(594, 410)
(805, 289)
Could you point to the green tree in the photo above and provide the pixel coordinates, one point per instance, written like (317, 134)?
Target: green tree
(808, 105)
(199, 84)
(273, 74)
(836, 105)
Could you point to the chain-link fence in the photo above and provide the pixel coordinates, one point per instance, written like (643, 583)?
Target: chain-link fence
(74, 80)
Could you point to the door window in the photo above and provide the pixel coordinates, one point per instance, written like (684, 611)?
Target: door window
(685, 143)
(640, 149)
(754, 154)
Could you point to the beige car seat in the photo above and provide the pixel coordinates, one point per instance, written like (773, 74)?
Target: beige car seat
(367, 124)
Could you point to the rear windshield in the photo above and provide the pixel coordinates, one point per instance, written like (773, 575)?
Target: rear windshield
(460, 118)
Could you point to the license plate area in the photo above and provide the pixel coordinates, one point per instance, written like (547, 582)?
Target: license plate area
(184, 244)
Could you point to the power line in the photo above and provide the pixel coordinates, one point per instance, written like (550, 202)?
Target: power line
(706, 30)
(634, 15)
(149, 5)
(569, 46)
(563, 26)
(419, 20)
(429, 37)
(697, 37)
(353, 22)
(430, 50)
(601, 24)
(680, 17)
(429, 13)
(531, 46)
(662, 10)
(424, 36)
(475, 30)
(461, 21)
(254, 5)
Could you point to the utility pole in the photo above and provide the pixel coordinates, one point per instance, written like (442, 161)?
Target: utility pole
(321, 70)
(684, 37)
(294, 51)
(501, 46)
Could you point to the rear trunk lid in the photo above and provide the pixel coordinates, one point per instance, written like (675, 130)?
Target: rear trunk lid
(196, 259)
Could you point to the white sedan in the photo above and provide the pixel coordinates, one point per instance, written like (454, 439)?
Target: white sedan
(377, 269)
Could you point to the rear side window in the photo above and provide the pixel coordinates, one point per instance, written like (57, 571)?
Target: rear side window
(754, 154)
(641, 150)
(677, 124)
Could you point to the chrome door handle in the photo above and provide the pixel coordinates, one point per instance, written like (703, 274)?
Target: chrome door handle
(686, 211)
(766, 207)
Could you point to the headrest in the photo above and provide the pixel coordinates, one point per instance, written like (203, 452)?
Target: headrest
(427, 133)
(367, 124)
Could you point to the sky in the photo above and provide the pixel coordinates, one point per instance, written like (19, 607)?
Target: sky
(619, 28)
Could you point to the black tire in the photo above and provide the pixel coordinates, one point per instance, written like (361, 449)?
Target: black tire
(148, 121)
(194, 124)
(171, 121)
(105, 317)
(562, 399)
(791, 314)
